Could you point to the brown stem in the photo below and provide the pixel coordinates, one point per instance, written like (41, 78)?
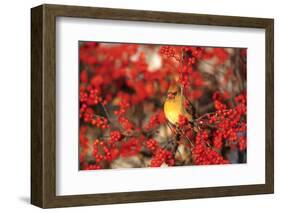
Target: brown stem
(237, 69)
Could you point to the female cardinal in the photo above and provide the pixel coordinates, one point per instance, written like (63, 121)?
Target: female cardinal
(174, 105)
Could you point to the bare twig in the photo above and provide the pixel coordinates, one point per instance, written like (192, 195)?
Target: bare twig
(107, 114)
(237, 69)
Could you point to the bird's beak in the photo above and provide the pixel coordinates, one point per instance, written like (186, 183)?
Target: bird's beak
(171, 95)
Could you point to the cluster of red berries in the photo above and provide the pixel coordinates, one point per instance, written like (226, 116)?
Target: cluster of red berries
(242, 143)
(102, 151)
(191, 55)
(162, 156)
(170, 52)
(219, 106)
(183, 121)
(152, 145)
(241, 99)
(115, 136)
(159, 155)
(219, 54)
(91, 97)
(203, 154)
(152, 123)
(97, 147)
(100, 122)
(83, 97)
(189, 77)
(130, 147)
(155, 120)
(126, 124)
(217, 139)
(85, 53)
(124, 105)
(229, 123)
(94, 97)
(88, 116)
(86, 113)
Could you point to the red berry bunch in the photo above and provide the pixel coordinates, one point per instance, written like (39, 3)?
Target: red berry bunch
(94, 97)
(155, 120)
(124, 105)
(100, 122)
(183, 121)
(242, 143)
(203, 154)
(229, 123)
(101, 151)
(130, 147)
(126, 124)
(169, 51)
(87, 113)
(152, 145)
(217, 139)
(115, 136)
(90, 97)
(191, 55)
(162, 156)
(219, 106)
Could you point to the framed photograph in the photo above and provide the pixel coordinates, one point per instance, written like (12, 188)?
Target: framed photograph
(137, 106)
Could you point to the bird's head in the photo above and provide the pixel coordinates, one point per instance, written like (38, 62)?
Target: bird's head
(173, 91)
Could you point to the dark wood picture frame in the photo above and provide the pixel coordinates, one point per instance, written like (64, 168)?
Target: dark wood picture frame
(43, 105)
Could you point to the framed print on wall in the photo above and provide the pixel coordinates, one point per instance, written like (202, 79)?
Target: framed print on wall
(135, 106)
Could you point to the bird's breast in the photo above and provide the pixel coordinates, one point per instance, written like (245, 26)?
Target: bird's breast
(172, 111)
